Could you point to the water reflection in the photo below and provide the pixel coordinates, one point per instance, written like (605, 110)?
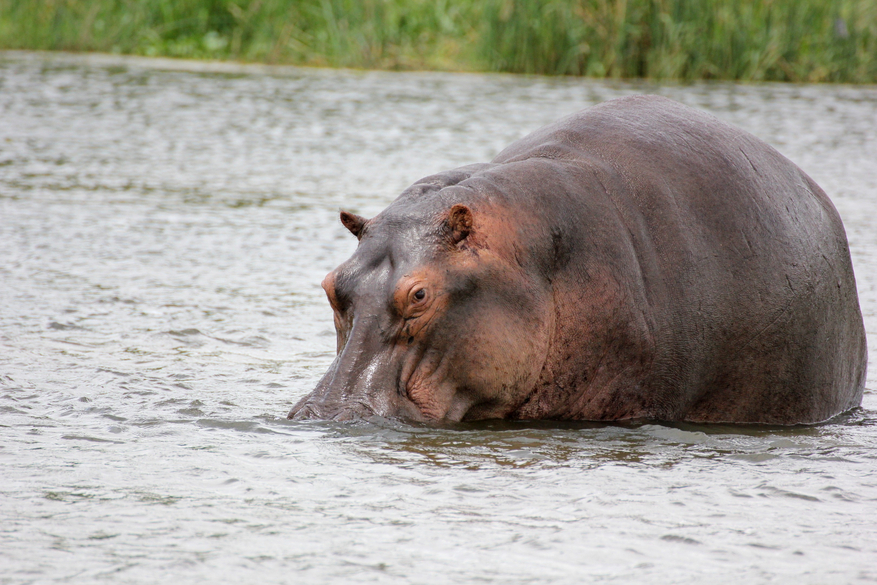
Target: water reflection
(582, 446)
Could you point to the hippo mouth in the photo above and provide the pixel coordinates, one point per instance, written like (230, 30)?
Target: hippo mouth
(354, 410)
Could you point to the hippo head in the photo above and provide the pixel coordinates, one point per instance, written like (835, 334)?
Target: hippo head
(437, 319)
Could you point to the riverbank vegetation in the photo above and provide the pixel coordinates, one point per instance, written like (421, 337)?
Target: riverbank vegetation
(782, 40)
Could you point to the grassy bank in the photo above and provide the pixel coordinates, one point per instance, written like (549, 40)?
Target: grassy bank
(785, 40)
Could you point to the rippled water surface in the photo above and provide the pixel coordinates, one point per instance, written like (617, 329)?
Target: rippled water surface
(164, 228)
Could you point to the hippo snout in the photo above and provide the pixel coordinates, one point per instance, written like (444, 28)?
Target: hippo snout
(309, 410)
(303, 412)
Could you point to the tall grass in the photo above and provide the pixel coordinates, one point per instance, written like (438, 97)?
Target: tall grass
(798, 40)
(345, 33)
(795, 40)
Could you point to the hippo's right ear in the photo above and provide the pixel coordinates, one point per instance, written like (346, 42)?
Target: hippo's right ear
(458, 225)
(353, 222)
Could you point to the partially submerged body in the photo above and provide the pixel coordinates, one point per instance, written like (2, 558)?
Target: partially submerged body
(637, 260)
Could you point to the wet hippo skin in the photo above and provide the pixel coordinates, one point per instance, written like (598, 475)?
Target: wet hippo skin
(637, 260)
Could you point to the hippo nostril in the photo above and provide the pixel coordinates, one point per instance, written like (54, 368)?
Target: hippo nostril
(356, 410)
(304, 412)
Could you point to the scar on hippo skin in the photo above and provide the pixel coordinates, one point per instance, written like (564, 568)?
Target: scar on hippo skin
(354, 223)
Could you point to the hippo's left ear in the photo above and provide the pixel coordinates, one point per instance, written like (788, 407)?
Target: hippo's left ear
(353, 222)
(459, 223)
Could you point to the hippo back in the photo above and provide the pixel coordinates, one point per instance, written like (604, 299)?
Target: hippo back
(735, 261)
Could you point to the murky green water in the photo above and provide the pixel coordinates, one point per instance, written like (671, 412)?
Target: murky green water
(163, 232)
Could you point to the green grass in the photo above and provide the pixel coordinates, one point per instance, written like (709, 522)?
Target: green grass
(785, 40)
(789, 40)
(387, 34)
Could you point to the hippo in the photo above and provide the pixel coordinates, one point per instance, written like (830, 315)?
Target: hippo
(639, 260)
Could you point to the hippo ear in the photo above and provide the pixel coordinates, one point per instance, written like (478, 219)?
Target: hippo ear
(459, 223)
(353, 222)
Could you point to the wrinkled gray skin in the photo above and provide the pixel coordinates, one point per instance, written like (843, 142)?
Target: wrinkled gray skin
(637, 260)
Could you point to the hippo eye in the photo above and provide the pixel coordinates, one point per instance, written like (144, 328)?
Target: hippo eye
(417, 301)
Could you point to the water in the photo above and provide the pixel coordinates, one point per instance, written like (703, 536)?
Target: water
(164, 228)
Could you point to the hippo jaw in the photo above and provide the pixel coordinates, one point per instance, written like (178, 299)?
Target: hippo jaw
(354, 390)
(426, 334)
